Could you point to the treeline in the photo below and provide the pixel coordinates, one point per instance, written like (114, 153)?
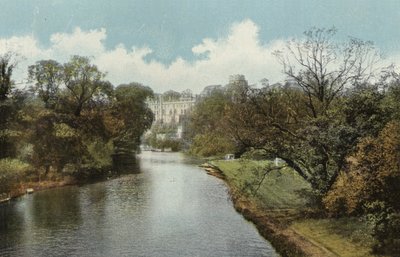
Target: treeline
(69, 121)
(336, 122)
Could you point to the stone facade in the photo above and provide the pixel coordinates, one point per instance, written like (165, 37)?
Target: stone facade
(171, 111)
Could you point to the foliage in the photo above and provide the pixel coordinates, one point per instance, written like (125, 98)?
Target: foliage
(207, 131)
(71, 121)
(370, 187)
(333, 122)
(163, 136)
(323, 68)
(385, 223)
(55, 142)
(7, 110)
(305, 122)
(373, 175)
(46, 76)
(131, 109)
(171, 96)
(208, 113)
(168, 143)
(83, 82)
(280, 188)
(392, 99)
(11, 171)
(211, 144)
(7, 66)
(100, 153)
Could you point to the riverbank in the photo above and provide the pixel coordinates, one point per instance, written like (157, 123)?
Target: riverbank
(31, 182)
(276, 211)
(22, 188)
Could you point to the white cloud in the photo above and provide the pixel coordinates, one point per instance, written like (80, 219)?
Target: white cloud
(240, 52)
(89, 43)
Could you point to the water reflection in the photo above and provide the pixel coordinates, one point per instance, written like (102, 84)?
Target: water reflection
(11, 219)
(58, 210)
(171, 208)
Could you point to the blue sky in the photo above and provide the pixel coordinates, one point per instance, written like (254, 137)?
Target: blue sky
(163, 34)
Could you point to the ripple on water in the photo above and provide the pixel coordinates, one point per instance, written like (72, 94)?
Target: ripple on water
(171, 208)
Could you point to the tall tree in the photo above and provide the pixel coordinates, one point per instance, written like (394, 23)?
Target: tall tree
(304, 122)
(47, 76)
(323, 68)
(207, 132)
(134, 118)
(7, 66)
(83, 81)
(130, 107)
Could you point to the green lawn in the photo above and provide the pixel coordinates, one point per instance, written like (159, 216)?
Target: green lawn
(280, 188)
(344, 237)
(280, 191)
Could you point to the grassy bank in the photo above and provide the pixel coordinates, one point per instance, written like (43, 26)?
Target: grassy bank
(17, 176)
(278, 207)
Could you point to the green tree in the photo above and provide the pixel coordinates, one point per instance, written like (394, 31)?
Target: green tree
(171, 95)
(7, 110)
(206, 130)
(134, 118)
(47, 76)
(7, 66)
(392, 100)
(83, 82)
(303, 122)
(370, 187)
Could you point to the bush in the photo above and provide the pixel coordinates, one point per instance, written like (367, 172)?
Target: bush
(11, 172)
(100, 154)
(256, 154)
(385, 224)
(207, 145)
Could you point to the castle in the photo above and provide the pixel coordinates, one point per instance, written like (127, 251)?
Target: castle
(172, 107)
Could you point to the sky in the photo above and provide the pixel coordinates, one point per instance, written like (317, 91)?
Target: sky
(178, 44)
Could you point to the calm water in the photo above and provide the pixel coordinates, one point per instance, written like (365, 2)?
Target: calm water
(171, 208)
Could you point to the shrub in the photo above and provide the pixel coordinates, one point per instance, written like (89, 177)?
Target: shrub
(385, 224)
(11, 172)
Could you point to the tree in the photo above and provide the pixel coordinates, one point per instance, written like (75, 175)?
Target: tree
(373, 174)
(7, 110)
(47, 76)
(207, 131)
(392, 100)
(7, 66)
(171, 95)
(83, 81)
(306, 127)
(130, 104)
(130, 108)
(323, 68)
(55, 143)
(370, 186)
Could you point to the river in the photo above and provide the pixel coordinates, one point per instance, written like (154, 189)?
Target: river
(170, 208)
